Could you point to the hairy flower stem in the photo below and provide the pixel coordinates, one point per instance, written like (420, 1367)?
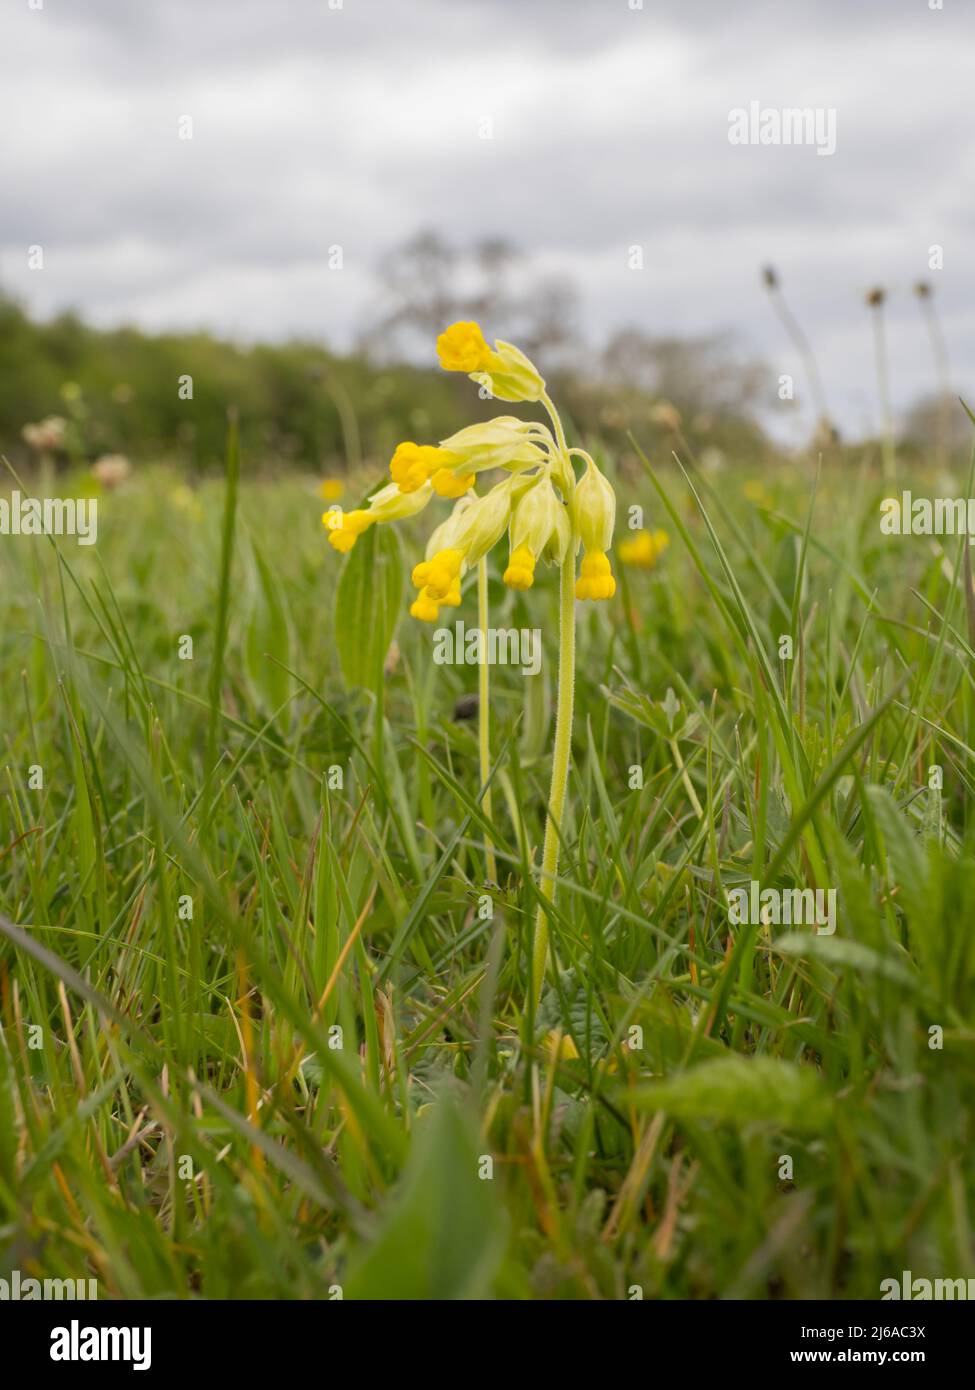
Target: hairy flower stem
(562, 750)
(484, 716)
(561, 759)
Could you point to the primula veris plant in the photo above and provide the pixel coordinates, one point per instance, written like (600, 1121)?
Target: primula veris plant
(548, 513)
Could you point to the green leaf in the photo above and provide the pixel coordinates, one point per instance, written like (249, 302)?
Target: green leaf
(444, 1234)
(367, 602)
(743, 1091)
(905, 856)
(841, 953)
(269, 636)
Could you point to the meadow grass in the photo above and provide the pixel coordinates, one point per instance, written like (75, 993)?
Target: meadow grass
(264, 1029)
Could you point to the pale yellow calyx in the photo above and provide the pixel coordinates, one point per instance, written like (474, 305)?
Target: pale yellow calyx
(510, 375)
(594, 509)
(538, 521)
(504, 442)
(485, 521)
(391, 504)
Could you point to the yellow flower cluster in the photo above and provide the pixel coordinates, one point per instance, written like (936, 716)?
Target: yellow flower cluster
(548, 514)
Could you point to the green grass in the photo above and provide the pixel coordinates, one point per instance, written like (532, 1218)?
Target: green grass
(175, 1115)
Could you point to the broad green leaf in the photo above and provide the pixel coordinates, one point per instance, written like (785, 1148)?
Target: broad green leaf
(367, 604)
(905, 855)
(443, 1236)
(743, 1091)
(841, 953)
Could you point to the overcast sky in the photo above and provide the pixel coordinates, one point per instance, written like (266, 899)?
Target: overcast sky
(357, 125)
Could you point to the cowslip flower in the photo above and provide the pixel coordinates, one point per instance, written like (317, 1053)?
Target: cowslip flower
(439, 554)
(451, 466)
(594, 506)
(414, 464)
(469, 534)
(388, 504)
(644, 549)
(539, 527)
(504, 370)
(548, 515)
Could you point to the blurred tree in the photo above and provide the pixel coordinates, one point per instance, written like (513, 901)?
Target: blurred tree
(935, 416)
(425, 284)
(697, 374)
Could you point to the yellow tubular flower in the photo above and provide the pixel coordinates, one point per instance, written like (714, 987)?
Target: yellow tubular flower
(520, 573)
(412, 464)
(438, 575)
(506, 371)
(441, 542)
(461, 348)
(345, 528)
(595, 579)
(446, 483)
(594, 508)
(425, 608)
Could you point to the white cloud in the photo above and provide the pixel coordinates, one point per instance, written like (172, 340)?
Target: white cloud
(358, 126)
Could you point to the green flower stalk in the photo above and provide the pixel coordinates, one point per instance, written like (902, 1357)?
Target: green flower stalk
(548, 515)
